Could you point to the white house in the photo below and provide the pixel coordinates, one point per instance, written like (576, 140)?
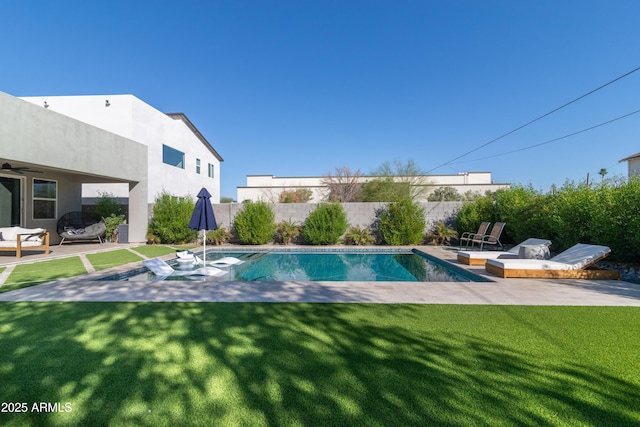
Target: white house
(180, 159)
(633, 163)
(269, 187)
(50, 147)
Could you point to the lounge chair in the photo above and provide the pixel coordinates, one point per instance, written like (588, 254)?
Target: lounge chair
(467, 236)
(492, 238)
(481, 257)
(163, 270)
(221, 262)
(577, 262)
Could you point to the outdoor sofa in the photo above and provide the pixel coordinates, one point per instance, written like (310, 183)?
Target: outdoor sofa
(17, 239)
(75, 226)
(481, 257)
(577, 262)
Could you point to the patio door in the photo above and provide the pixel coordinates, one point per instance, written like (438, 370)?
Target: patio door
(10, 201)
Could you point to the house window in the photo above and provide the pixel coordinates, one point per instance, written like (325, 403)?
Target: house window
(211, 170)
(198, 166)
(45, 195)
(173, 157)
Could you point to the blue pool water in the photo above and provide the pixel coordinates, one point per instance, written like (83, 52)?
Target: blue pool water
(361, 266)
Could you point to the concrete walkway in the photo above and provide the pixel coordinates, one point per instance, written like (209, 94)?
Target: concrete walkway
(500, 291)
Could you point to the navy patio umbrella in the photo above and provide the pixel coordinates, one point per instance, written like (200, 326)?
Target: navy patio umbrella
(203, 218)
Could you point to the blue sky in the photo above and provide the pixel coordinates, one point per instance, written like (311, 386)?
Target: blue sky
(297, 88)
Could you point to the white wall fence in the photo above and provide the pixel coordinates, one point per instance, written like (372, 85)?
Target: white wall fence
(361, 214)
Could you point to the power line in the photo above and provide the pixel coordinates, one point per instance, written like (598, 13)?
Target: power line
(536, 119)
(559, 138)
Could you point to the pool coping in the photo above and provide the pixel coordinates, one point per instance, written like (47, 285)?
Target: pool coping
(564, 292)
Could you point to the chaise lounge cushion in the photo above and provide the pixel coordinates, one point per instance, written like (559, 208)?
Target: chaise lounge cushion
(575, 258)
(479, 257)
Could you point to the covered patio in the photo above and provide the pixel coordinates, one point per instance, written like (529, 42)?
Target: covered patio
(46, 158)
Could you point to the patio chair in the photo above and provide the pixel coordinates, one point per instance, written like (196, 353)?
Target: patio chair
(163, 270)
(577, 262)
(492, 238)
(468, 236)
(481, 257)
(227, 261)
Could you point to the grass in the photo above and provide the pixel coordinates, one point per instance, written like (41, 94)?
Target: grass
(153, 251)
(25, 275)
(320, 364)
(104, 260)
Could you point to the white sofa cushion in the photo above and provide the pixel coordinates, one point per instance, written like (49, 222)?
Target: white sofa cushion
(11, 234)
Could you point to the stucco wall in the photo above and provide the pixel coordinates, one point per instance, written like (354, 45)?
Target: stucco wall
(361, 214)
(132, 118)
(72, 152)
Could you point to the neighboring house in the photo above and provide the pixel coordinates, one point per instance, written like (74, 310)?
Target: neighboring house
(633, 164)
(47, 156)
(269, 187)
(180, 159)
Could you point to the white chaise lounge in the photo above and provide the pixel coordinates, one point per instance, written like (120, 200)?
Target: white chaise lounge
(163, 270)
(577, 262)
(481, 257)
(186, 257)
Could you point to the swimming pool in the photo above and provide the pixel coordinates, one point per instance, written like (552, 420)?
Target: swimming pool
(327, 265)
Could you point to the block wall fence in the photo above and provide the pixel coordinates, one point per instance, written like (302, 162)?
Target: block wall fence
(361, 214)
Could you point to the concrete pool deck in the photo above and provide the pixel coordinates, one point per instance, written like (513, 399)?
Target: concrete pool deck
(499, 292)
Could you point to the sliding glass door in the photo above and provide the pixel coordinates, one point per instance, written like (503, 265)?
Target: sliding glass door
(10, 201)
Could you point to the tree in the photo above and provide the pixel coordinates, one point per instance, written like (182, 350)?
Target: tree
(602, 173)
(344, 186)
(444, 194)
(395, 181)
(301, 195)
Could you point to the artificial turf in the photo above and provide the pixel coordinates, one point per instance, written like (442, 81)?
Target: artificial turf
(104, 260)
(25, 275)
(320, 364)
(152, 251)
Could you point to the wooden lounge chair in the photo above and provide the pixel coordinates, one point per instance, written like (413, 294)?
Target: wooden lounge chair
(481, 257)
(577, 262)
(467, 236)
(492, 238)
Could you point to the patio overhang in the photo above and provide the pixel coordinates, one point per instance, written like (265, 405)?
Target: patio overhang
(69, 152)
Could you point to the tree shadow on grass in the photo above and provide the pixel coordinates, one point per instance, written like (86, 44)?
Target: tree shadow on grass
(309, 364)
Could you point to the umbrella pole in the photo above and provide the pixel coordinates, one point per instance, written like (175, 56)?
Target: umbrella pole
(204, 246)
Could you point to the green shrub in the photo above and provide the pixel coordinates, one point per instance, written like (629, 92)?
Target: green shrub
(107, 205)
(359, 236)
(170, 221)
(325, 225)
(112, 222)
(287, 232)
(218, 237)
(474, 212)
(525, 210)
(606, 214)
(401, 223)
(255, 224)
(441, 233)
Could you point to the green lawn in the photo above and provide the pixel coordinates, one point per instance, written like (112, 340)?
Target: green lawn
(320, 364)
(153, 251)
(25, 275)
(104, 260)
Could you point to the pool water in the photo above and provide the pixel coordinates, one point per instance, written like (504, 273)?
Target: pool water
(407, 266)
